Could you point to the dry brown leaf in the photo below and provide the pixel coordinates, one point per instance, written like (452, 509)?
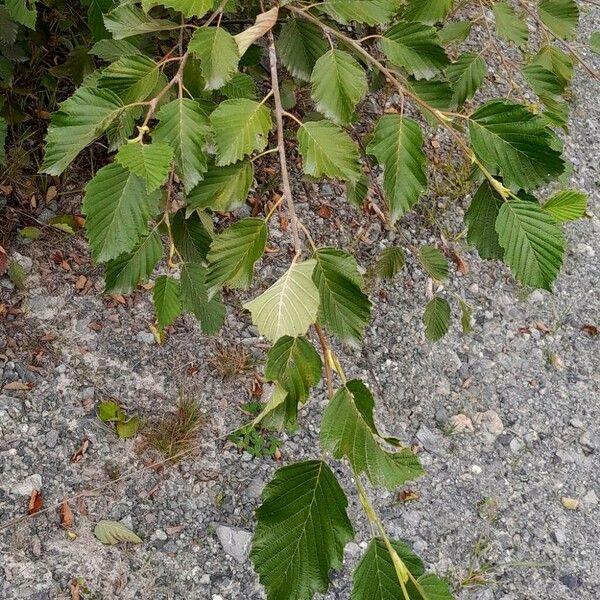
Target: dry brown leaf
(264, 23)
(51, 193)
(590, 329)
(35, 502)
(96, 325)
(324, 211)
(66, 515)
(78, 455)
(80, 282)
(407, 496)
(74, 588)
(18, 386)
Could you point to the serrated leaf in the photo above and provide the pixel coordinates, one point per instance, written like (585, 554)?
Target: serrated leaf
(185, 127)
(370, 12)
(549, 87)
(22, 11)
(357, 191)
(567, 205)
(217, 52)
(167, 300)
(79, 121)
(510, 26)
(454, 33)
(234, 252)
(594, 42)
(481, 222)
(289, 306)
(435, 92)
(151, 162)
(428, 12)
(8, 27)
(338, 85)
(117, 209)
(122, 127)
(300, 44)
(127, 20)
(328, 151)
(434, 262)
(222, 189)
(557, 61)
(533, 244)
(344, 307)
(375, 577)
(113, 532)
(189, 8)
(429, 587)
(466, 76)
(436, 319)
(111, 50)
(397, 144)
(132, 78)
(416, 48)
(302, 528)
(240, 85)
(348, 429)
(560, 16)
(390, 262)
(123, 274)
(294, 364)
(509, 138)
(190, 236)
(241, 127)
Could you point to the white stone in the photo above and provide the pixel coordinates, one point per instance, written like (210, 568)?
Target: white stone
(235, 542)
(28, 485)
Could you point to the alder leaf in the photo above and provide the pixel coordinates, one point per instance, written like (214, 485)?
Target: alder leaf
(241, 127)
(556, 61)
(481, 222)
(509, 138)
(190, 236)
(218, 54)
(328, 151)
(428, 12)
(370, 12)
(117, 209)
(194, 299)
(466, 76)
(436, 319)
(167, 300)
(189, 8)
(223, 188)
(132, 78)
(241, 85)
(338, 85)
(22, 11)
(398, 146)
(127, 20)
(560, 16)
(510, 26)
(567, 205)
(150, 161)
(185, 127)
(434, 262)
(390, 262)
(234, 252)
(113, 532)
(348, 429)
(299, 45)
(302, 528)
(533, 244)
(289, 306)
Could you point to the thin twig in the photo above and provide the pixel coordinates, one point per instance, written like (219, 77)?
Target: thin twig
(327, 359)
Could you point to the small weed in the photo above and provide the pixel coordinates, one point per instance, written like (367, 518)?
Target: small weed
(17, 275)
(232, 361)
(257, 443)
(176, 435)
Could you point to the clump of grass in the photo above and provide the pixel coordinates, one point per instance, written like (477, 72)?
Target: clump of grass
(175, 436)
(231, 361)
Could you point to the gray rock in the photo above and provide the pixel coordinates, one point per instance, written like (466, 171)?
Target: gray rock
(146, 337)
(235, 542)
(52, 438)
(489, 421)
(27, 485)
(431, 441)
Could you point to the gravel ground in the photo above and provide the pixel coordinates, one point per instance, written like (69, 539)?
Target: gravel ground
(524, 388)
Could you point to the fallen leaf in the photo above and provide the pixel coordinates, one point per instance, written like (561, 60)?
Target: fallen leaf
(277, 455)
(66, 515)
(78, 455)
(51, 193)
(590, 329)
(324, 211)
(407, 496)
(542, 327)
(460, 423)
(35, 502)
(81, 506)
(264, 23)
(19, 386)
(96, 325)
(113, 532)
(174, 529)
(74, 589)
(80, 282)
(569, 503)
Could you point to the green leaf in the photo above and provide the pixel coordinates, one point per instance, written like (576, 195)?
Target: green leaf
(128, 429)
(223, 188)
(151, 162)
(436, 319)
(533, 244)
(557, 61)
(328, 151)
(510, 26)
(567, 205)
(8, 28)
(454, 33)
(240, 85)
(465, 318)
(79, 121)
(132, 78)
(121, 129)
(128, 20)
(218, 54)
(113, 532)
(241, 127)
(117, 209)
(167, 300)
(289, 306)
(594, 42)
(434, 262)
(428, 12)
(416, 48)
(390, 262)
(397, 145)
(560, 16)
(375, 577)
(22, 11)
(429, 587)
(123, 274)
(371, 12)
(111, 50)
(234, 252)
(191, 237)
(466, 76)
(435, 92)
(481, 222)
(189, 8)
(302, 528)
(549, 87)
(185, 127)
(344, 307)
(300, 44)
(348, 429)
(509, 138)
(357, 191)
(294, 363)
(109, 411)
(338, 85)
